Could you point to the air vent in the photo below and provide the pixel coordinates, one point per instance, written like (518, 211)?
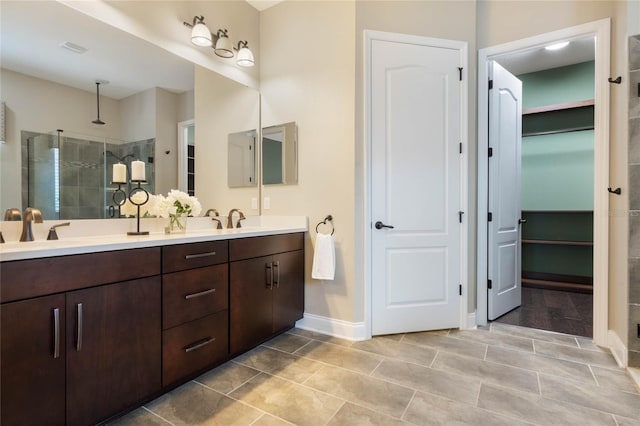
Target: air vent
(76, 48)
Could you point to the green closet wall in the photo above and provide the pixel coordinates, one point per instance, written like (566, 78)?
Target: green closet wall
(557, 178)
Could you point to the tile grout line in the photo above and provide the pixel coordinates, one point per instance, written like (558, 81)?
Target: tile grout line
(375, 368)
(486, 351)
(157, 415)
(593, 374)
(415, 392)
(434, 359)
(539, 383)
(334, 414)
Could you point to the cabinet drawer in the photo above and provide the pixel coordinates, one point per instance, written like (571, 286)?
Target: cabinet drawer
(194, 255)
(246, 248)
(23, 279)
(193, 346)
(193, 294)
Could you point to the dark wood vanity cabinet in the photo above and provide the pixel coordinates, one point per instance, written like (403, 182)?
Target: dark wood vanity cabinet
(266, 292)
(85, 337)
(195, 302)
(32, 384)
(80, 355)
(113, 348)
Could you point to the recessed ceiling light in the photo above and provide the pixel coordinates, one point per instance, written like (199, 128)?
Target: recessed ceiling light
(76, 48)
(557, 46)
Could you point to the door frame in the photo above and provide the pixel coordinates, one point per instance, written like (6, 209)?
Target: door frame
(600, 29)
(183, 141)
(462, 47)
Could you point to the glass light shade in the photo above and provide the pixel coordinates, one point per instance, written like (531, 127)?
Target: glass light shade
(245, 57)
(200, 35)
(224, 48)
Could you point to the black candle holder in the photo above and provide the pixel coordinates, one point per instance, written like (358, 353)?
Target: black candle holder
(120, 197)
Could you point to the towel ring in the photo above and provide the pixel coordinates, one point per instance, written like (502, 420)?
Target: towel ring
(324, 222)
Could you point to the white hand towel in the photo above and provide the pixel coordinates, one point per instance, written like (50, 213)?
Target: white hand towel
(324, 258)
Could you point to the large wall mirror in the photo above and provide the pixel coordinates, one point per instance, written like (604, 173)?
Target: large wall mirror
(48, 84)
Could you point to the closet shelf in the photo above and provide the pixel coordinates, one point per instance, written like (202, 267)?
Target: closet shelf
(558, 242)
(558, 107)
(557, 285)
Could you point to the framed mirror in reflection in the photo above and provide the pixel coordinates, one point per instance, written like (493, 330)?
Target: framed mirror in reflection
(280, 154)
(48, 82)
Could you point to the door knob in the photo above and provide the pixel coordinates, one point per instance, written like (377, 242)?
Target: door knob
(521, 221)
(380, 225)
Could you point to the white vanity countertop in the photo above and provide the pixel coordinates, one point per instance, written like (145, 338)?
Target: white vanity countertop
(90, 236)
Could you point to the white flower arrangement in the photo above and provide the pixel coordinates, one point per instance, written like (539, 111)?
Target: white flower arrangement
(176, 203)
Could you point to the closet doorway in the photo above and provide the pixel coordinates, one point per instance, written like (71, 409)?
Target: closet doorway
(564, 272)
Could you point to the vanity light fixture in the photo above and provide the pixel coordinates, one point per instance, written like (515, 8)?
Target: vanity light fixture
(200, 33)
(557, 46)
(223, 48)
(220, 42)
(245, 56)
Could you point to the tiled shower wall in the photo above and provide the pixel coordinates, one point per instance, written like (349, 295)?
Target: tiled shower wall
(634, 201)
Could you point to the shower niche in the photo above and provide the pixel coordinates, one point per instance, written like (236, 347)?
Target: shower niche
(68, 176)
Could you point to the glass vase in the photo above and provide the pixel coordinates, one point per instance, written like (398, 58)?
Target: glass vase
(177, 224)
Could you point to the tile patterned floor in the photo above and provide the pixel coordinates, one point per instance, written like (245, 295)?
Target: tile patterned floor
(499, 375)
(553, 310)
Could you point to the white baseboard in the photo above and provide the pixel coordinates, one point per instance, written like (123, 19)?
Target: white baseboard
(471, 321)
(618, 349)
(334, 327)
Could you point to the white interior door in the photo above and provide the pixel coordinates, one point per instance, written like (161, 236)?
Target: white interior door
(505, 139)
(415, 122)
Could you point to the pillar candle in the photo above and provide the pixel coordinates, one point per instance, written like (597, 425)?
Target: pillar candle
(119, 173)
(137, 170)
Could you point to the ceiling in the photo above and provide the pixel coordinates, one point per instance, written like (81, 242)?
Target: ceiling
(31, 33)
(538, 59)
(263, 4)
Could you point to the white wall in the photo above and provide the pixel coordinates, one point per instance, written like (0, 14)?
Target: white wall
(138, 116)
(307, 76)
(222, 106)
(166, 131)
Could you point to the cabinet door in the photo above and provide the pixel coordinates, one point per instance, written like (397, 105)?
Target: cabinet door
(288, 292)
(113, 348)
(33, 361)
(251, 312)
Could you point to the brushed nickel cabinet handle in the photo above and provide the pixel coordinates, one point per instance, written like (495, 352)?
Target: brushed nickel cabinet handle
(202, 293)
(199, 344)
(276, 280)
(56, 333)
(79, 328)
(197, 255)
(269, 275)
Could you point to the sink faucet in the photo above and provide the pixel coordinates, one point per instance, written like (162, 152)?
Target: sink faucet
(30, 215)
(216, 215)
(230, 219)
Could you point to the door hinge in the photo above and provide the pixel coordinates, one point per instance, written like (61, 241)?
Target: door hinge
(460, 216)
(460, 290)
(460, 148)
(490, 152)
(490, 217)
(460, 72)
(489, 284)
(490, 84)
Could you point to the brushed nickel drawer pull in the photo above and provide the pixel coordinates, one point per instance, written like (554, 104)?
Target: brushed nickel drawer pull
(56, 333)
(79, 328)
(202, 293)
(197, 255)
(200, 344)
